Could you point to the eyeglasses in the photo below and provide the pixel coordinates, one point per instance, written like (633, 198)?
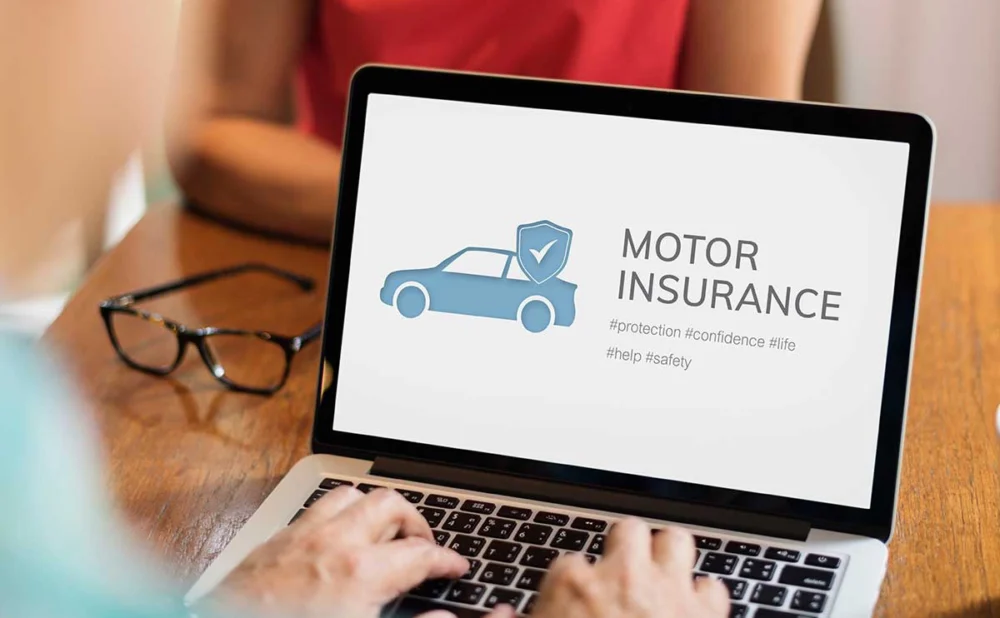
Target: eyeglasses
(247, 361)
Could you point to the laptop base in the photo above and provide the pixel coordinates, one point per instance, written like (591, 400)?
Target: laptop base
(853, 590)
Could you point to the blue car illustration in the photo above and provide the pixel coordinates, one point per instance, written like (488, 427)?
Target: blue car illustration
(480, 281)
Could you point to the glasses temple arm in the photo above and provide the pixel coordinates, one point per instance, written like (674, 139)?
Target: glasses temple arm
(313, 332)
(305, 283)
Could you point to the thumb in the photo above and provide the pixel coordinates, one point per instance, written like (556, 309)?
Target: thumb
(408, 562)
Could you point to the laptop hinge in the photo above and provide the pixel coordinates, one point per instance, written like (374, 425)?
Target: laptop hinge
(590, 497)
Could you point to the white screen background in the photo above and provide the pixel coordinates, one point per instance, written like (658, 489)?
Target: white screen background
(438, 176)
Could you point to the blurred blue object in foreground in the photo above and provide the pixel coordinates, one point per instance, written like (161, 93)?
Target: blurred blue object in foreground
(63, 553)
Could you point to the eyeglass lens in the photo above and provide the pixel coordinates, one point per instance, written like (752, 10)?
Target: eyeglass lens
(247, 360)
(145, 343)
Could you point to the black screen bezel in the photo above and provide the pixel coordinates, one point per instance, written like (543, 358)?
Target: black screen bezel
(912, 129)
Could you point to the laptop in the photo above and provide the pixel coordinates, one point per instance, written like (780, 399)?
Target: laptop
(555, 304)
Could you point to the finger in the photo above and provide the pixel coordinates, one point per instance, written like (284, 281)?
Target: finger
(572, 574)
(502, 611)
(332, 504)
(713, 594)
(628, 542)
(568, 562)
(437, 613)
(405, 563)
(384, 515)
(673, 549)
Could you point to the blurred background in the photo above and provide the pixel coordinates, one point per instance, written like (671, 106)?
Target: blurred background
(935, 57)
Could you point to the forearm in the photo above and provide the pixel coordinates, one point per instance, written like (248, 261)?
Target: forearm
(263, 175)
(756, 48)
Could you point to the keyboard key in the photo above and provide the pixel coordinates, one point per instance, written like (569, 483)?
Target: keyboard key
(552, 519)
(785, 555)
(500, 596)
(808, 601)
(764, 612)
(536, 534)
(461, 522)
(539, 557)
(334, 483)
(806, 578)
(573, 540)
(467, 545)
(719, 563)
(500, 574)
(737, 587)
(411, 607)
(297, 515)
(591, 558)
(768, 595)
(473, 568)
(432, 515)
(413, 497)
(827, 562)
(530, 605)
(367, 488)
(311, 500)
(757, 569)
(596, 545)
(478, 506)
(744, 549)
(497, 528)
(502, 551)
(441, 537)
(514, 512)
(466, 592)
(432, 588)
(445, 502)
(738, 611)
(530, 579)
(588, 524)
(707, 542)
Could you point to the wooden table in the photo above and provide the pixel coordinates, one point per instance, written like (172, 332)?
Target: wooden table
(189, 461)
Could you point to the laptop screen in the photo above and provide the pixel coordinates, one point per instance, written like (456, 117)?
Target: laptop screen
(690, 302)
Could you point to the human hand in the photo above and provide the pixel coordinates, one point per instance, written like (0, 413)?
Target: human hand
(640, 576)
(347, 556)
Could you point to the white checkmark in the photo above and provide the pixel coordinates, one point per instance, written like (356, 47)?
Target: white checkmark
(540, 253)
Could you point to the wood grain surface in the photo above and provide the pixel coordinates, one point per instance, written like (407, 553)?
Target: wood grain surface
(189, 462)
(944, 558)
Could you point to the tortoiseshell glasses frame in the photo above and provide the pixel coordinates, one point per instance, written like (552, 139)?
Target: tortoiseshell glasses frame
(123, 304)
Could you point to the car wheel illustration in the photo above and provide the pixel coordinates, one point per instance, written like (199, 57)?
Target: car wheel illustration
(411, 299)
(536, 314)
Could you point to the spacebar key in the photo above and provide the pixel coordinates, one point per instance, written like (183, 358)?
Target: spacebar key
(410, 607)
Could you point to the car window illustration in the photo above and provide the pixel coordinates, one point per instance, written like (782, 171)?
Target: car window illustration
(520, 285)
(515, 272)
(477, 262)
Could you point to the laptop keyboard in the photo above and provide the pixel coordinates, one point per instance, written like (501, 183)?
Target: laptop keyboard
(510, 548)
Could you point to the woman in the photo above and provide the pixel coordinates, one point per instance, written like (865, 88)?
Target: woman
(249, 151)
(74, 103)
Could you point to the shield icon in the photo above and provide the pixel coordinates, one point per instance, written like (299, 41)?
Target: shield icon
(542, 249)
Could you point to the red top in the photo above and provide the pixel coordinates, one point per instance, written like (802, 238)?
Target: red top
(631, 42)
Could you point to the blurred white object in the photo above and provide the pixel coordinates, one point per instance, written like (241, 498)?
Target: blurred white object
(937, 58)
(126, 205)
(32, 316)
